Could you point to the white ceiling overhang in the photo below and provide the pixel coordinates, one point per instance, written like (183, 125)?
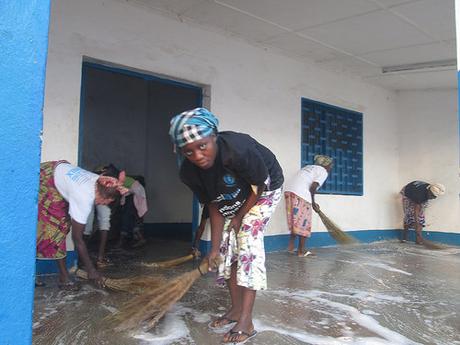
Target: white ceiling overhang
(357, 37)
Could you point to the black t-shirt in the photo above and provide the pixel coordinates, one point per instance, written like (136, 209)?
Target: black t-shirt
(417, 191)
(240, 162)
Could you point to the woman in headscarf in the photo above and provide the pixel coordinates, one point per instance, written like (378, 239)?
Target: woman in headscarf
(66, 197)
(300, 199)
(240, 181)
(415, 197)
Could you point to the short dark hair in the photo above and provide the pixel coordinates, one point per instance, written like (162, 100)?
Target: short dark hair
(108, 170)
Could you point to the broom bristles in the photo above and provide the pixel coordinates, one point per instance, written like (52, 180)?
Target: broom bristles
(147, 309)
(133, 285)
(169, 263)
(433, 245)
(338, 234)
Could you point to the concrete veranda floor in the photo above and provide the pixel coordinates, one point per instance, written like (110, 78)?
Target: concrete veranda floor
(381, 293)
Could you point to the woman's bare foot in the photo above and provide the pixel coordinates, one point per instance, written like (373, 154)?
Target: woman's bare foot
(228, 318)
(221, 322)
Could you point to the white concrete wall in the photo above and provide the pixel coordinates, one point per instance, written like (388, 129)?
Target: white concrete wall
(252, 90)
(429, 150)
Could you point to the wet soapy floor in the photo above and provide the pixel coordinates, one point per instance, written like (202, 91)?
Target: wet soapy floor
(374, 294)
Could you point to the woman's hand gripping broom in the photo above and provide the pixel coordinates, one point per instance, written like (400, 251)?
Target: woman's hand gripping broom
(134, 285)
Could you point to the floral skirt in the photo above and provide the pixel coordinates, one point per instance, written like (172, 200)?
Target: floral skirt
(247, 247)
(409, 213)
(298, 212)
(53, 216)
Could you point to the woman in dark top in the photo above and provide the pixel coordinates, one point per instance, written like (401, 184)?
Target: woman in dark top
(415, 196)
(240, 180)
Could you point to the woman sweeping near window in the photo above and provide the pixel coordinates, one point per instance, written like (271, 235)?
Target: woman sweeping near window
(240, 180)
(66, 196)
(300, 199)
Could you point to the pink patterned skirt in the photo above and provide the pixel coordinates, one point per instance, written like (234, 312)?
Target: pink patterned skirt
(53, 216)
(298, 213)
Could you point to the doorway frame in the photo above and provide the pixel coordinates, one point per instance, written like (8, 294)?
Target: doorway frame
(145, 75)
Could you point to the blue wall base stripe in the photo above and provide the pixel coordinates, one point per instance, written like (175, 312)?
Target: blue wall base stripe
(275, 243)
(50, 266)
(449, 238)
(323, 239)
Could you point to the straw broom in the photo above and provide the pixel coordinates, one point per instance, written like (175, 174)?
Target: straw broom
(170, 263)
(147, 309)
(433, 245)
(333, 229)
(134, 285)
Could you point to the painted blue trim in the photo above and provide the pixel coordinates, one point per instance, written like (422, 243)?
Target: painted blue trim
(82, 111)
(195, 215)
(141, 75)
(330, 106)
(120, 70)
(24, 26)
(101, 66)
(195, 202)
(323, 239)
(50, 266)
(337, 183)
(449, 238)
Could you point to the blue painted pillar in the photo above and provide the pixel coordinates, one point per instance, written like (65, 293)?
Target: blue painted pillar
(23, 47)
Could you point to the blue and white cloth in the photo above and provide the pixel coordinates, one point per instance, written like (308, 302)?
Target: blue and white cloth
(192, 125)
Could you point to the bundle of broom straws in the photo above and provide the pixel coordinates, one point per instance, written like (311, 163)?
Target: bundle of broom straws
(147, 309)
(335, 231)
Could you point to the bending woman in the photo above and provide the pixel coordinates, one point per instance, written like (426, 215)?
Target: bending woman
(415, 198)
(240, 180)
(300, 199)
(66, 196)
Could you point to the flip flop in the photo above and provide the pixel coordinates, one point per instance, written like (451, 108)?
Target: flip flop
(223, 322)
(246, 336)
(308, 253)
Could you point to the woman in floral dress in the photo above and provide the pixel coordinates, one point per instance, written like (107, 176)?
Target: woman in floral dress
(240, 180)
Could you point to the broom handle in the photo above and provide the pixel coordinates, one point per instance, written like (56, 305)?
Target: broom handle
(170, 263)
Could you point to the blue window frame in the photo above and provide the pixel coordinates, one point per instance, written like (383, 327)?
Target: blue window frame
(338, 133)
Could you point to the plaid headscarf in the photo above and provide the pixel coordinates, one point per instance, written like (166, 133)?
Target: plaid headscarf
(192, 125)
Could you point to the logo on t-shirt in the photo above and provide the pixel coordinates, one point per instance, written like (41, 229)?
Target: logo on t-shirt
(229, 180)
(78, 175)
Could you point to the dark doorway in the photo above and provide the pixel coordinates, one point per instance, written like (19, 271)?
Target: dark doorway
(124, 120)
